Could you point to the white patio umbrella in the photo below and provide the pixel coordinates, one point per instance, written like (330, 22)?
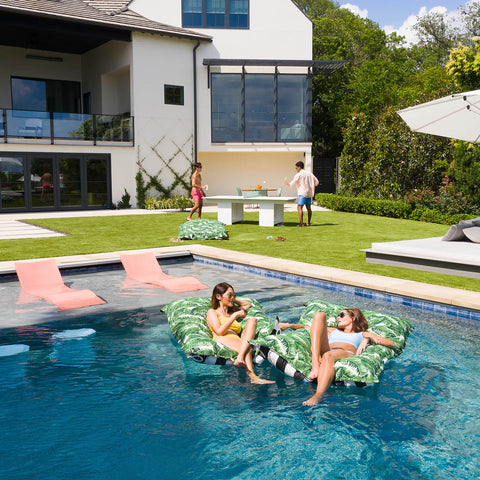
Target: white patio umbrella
(455, 116)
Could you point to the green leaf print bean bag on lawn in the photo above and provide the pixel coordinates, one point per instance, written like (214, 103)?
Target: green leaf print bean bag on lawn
(188, 322)
(203, 230)
(290, 351)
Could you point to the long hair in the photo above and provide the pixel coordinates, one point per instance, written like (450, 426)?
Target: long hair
(360, 323)
(219, 289)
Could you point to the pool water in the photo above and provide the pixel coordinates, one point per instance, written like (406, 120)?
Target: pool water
(125, 403)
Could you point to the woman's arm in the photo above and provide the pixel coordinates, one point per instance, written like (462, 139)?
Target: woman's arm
(220, 329)
(293, 326)
(243, 304)
(377, 340)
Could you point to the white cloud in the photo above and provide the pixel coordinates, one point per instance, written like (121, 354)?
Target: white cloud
(355, 9)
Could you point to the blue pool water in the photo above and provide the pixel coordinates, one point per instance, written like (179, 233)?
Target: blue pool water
(125, 403)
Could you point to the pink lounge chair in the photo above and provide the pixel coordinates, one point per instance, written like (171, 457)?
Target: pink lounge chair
(144, 267)
(42, 279)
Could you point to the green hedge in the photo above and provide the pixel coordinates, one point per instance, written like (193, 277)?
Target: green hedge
(173, 203)
(387, 208)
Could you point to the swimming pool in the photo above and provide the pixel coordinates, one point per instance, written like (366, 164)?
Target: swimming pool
(126, 404)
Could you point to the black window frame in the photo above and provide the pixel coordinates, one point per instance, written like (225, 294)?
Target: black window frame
(276, 129)
(174, 94)
(204, 17)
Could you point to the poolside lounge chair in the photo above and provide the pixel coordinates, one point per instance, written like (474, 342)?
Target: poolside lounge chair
(42, 278)
(144, 267)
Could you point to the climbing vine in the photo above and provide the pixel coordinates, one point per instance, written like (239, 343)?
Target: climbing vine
(146, 181)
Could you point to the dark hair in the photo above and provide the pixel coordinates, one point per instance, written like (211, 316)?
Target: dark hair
(300, 164)
(197, 165)
(360, 323)
(219, 289)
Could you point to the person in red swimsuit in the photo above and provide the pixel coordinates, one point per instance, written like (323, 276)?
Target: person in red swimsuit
(197, 192)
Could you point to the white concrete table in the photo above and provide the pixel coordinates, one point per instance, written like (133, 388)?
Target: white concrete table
(230, 208)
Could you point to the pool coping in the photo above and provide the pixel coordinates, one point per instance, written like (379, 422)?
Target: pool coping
(448, 296)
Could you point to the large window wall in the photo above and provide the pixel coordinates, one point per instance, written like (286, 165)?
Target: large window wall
(43, 181)
(260, 108)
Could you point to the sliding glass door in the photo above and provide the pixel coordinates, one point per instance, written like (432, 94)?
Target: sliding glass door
(54, 182)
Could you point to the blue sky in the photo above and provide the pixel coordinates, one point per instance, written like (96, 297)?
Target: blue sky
(399, 15)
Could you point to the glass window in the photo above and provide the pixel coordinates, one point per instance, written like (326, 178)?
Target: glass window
(227, 108)
(97, 194)
(12, 182)
(259, 108)
(41, 178)
(45, 95)
(70, 181)
(215, 13)
(292, 107)
(29, 94)
(238, 14)
(173, 95)
(192, 13)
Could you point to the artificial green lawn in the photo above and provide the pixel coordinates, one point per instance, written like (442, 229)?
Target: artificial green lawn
(334, 239)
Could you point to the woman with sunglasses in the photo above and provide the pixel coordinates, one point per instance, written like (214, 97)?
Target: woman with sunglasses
(329, 344)
(222, 320)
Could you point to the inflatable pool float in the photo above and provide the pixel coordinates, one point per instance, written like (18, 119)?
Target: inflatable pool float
(290, 351)
(203, 230)
(13, 349)
(187, 318)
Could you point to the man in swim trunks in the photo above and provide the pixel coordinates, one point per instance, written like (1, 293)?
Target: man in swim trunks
(305, 183)
(329, 344)
(197, 192)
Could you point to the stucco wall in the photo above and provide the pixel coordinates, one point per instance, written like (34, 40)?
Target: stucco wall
(163, 133)
(107, 60)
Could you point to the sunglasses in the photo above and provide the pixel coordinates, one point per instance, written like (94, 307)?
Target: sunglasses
(344, 314)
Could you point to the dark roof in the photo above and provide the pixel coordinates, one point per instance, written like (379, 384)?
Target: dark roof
(323, 66)
(103, 19)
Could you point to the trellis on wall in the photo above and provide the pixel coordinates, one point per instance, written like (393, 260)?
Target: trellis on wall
(146, 182)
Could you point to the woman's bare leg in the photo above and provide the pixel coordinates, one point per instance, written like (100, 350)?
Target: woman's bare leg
(244, 349)
(319, 345)
(326, 373)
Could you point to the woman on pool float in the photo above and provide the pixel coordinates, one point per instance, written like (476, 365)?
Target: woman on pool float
(222, 320)
(329, 344)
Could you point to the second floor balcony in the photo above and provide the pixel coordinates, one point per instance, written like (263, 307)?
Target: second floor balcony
(27, 126)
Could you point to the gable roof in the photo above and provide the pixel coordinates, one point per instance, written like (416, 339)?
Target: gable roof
(108, 14)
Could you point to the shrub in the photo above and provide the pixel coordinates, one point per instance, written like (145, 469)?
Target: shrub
(173, 203)
(388, 208)
(125, 200)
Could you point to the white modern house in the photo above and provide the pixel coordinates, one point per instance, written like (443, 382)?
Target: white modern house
(99, 97)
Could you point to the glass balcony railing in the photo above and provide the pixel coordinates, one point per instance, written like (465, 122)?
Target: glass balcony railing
(15, 124)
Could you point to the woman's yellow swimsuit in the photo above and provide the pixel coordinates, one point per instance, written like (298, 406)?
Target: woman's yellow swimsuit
(234, 331)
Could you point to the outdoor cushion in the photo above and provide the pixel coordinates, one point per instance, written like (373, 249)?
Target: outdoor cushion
(290, 351)
(473, 234)
(203, 230)
(459, 232)
(187, 318)
(454, 234)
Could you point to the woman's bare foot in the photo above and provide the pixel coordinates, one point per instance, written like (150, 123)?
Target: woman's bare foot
(240, 362)
(314, 372)
(259, 381)
(312, 400)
